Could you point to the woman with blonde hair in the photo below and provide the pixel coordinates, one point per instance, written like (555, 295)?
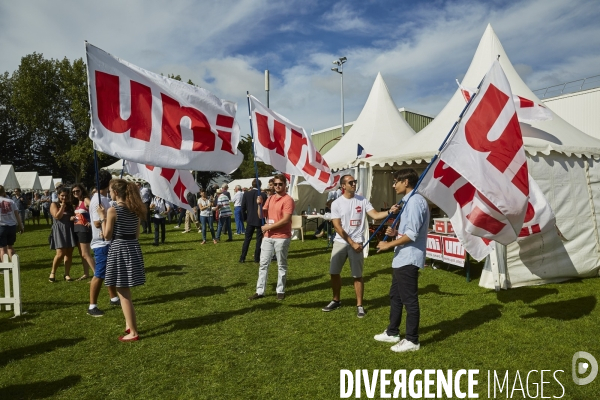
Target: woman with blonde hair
(125, 265)
(62, 237)
(83, 228)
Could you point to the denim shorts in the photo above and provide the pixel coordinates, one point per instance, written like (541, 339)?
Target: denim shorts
(100, 255)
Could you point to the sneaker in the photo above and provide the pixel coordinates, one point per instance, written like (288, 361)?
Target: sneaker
(333, 305)
(384, 337)
(186, 231)
(200, 230)
(319, 235)
(176, 227)
(360, 311)
(204, 241)
(280, 296)
(116, 303)
(95, 312)
(404, 346)
(256, 296)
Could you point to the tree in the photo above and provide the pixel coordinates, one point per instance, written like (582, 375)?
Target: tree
(246, 169)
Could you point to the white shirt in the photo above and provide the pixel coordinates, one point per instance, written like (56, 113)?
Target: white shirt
(204, 202)
(160, 206)
(352, 212)
(237, 198)
(7, 212)
(96, 241)
(145, 194)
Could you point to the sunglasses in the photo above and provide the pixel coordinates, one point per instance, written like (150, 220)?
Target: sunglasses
(278, 184)
(351, 183)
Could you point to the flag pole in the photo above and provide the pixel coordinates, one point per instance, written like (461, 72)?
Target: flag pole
(97, 176)
(260, 212)
(122, 169)
(433, 160)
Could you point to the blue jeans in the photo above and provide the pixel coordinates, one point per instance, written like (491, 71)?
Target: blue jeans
(224, 222)
(204, 221)
(239, 220)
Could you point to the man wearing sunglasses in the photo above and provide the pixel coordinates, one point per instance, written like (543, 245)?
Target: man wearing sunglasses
(409, 242)
(277, 210)
(348, 214)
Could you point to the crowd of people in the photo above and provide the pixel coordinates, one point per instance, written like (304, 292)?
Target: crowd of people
(110, 222)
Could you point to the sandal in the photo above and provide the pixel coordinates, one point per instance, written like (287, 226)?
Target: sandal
(204, 241)
(52, 278)
(82, 278)
(68, 278)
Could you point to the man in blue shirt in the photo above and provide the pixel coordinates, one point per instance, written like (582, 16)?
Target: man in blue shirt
(410, 241)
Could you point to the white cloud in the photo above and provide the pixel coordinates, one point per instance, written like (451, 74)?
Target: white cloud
(214, 44)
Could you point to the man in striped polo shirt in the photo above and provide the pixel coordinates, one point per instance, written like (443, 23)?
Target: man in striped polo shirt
(224, 215)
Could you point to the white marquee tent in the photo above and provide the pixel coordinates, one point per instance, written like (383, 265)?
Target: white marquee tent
(562, 160)
(8, 179)
(381, 130)
(29, 180)
(47, 182)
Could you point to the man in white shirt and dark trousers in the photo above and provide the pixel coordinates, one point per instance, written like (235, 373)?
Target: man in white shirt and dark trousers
(348, 214)
(409, 243)
(100, 245)
(237, 210)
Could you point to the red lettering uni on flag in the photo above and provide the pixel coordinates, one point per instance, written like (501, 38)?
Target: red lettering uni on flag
(146, 118)
(287, 147)
(487, 150)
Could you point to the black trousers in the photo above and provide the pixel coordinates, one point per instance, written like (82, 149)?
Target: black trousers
(248, 238)
(147, 224)
(404, 292)
(159, 223)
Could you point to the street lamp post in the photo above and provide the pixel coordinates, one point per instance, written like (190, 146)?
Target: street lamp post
(340, 70)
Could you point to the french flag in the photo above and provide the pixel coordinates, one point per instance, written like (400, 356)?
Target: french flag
(361, 153)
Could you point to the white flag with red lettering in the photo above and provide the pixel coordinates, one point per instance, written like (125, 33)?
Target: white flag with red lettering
(458, 199)
(527, 110)
(487, 150)
(148, 118)
(287, 147)
(173, 185)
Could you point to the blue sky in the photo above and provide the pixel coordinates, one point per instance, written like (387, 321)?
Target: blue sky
(420, 47)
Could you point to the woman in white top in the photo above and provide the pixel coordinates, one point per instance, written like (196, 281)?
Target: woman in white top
(205, 206)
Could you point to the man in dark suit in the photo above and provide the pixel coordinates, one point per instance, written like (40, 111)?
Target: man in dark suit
(253, 223)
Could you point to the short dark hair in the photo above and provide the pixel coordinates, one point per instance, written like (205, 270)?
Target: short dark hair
(281, 177)
(410, 174)
(104, 178)
(255, 183)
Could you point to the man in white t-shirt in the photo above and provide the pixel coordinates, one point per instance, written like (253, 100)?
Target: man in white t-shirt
(348, 214)
(100, 246)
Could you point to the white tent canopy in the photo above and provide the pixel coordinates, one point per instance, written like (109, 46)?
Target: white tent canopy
(562, 161)
(29, 180)
(8, 179)
(115, 167)
(380, 129)
(47, 182)
(542, 136)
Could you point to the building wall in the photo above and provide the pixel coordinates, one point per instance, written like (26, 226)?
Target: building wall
(580, 109)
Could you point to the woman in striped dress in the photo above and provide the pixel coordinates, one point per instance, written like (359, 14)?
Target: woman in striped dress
(125, 265)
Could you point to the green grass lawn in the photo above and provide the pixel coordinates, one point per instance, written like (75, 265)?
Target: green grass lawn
(202, 338)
